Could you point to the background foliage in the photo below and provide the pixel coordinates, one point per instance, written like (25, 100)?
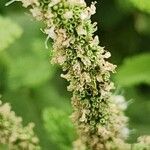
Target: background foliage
(34, 87)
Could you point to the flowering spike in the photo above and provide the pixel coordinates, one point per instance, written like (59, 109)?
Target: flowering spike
(12, 132)
(98, 114)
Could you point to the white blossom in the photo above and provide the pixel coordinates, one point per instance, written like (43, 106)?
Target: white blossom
(95, 41)
(86, 61)
(84, 15)
(120, 101)
(92, 8)
(109, 67)
(81, 31)
(68, 15)
(83, 117)
(107, 55)
(61, 59)
(36, 12)
(86, 76)
(77, 2)
(53, 2)
(125, 132)
(49, 14)
(27, 3)
(51, 32)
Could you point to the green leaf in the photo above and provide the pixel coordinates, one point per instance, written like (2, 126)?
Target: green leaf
(9, 31)
(143, 5)
(4, 147)
(125, 5)
(57, 122)
(134, 71)
(129, 5)
(31, 69)
(142, 24)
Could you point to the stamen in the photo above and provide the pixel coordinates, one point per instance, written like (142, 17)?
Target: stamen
(46, 42)
(10, 2)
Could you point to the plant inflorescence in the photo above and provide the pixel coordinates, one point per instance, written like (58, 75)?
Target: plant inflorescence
(12, 132)
(98, 114)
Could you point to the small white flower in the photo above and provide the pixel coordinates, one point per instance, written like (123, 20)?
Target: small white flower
(84, 15)
(68, 15)
(107, 55)
(83, 117)
(53, 2)
(81, 2)
(36, 12)
(121, 102)
(51, 34)
(66, 42)
(86, 61)
(87, 77)
(27, 3)
(49, 14)
(61, 59)
(99, 78)
(5, 109)
(109, 67)
(95, 40)
(125, 132)
(77, 68)
(144, 139)
(103, 132)
(81, 31)
(77, 2)
(93, 8)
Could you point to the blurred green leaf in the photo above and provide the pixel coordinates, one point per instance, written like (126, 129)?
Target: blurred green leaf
(57, 122)
(9, 31)
(134, 71)
(103, 15)
(25, 75)
(138, 111)
(125, 5)
(31, 69)
(142, 5)
(3, 70)
(4, 147)
(142, 24)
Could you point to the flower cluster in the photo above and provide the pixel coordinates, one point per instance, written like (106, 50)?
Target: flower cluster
(13, 134)
(98, 114)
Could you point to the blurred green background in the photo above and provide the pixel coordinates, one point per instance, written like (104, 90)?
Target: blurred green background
(37, 93)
